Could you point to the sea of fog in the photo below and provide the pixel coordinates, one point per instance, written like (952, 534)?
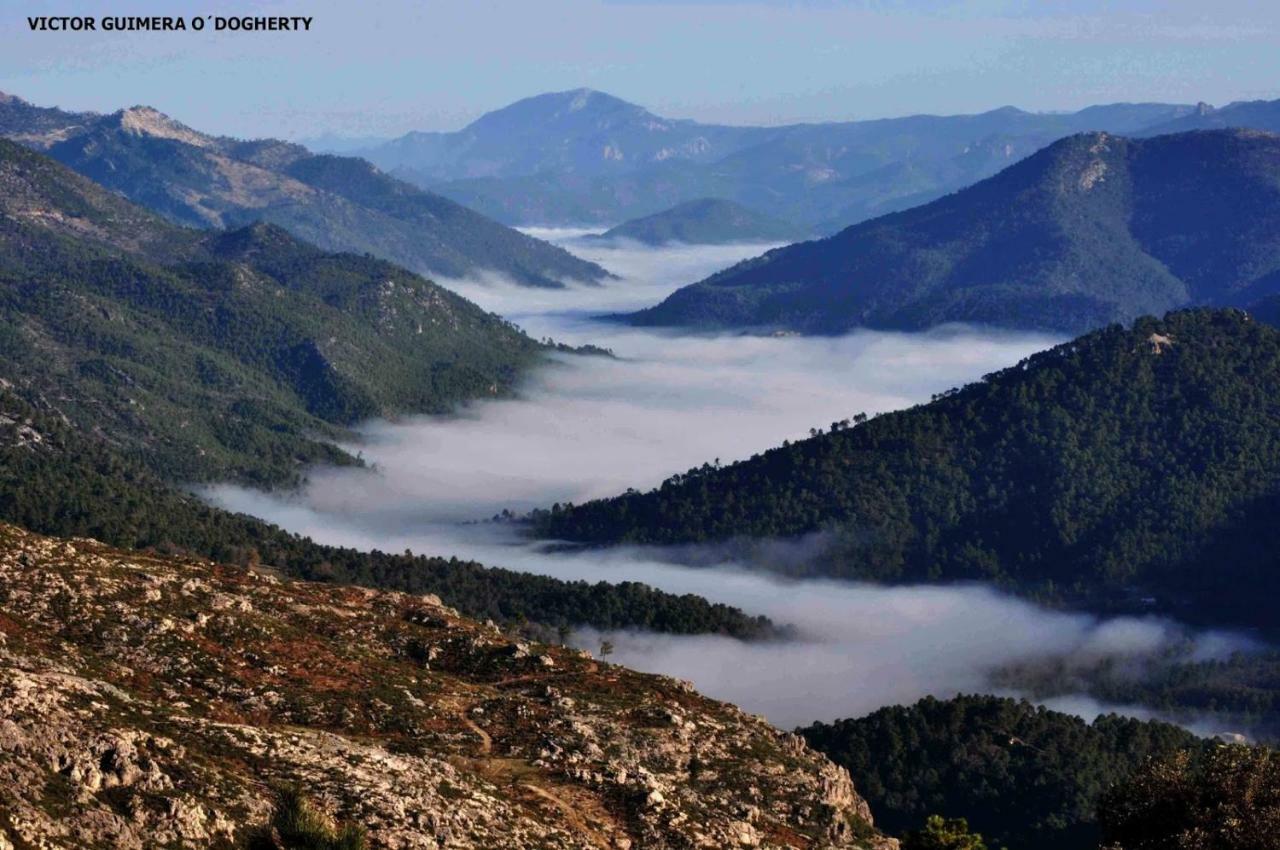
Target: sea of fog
(585, 427)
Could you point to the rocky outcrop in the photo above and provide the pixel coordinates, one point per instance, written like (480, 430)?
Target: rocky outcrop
(148, 701)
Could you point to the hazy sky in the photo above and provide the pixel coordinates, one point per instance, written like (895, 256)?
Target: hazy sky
(386, 67)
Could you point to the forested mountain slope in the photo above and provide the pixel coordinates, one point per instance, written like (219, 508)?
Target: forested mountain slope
(1093, 229)
(1025, 777)
(135, 354)
(338, 203)
(1129, 463)
(221, 354)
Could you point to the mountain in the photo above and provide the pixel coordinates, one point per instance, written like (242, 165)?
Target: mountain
(338, 203)
(580, 132)
(154, 700)
(582, 157)
(1093, 229)
(1254, 114)
(221, 354)
(1025, 777)
(1130, 469)
(707, 221)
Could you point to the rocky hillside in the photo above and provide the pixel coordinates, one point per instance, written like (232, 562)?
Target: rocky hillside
(1093, 229)
(148, 701)
(338, 203)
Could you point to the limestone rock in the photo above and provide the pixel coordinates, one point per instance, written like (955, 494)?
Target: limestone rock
(147, 701)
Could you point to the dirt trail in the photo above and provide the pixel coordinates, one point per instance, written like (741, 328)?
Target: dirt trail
(571, 815)
(538, 677)
(486, 743)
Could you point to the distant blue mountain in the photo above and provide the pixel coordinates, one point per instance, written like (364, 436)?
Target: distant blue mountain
(583, 157)
(1254, 114)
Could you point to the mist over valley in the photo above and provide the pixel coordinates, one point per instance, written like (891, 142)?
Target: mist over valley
(591, 427)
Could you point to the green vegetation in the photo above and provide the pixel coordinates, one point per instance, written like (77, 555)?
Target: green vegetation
(1093, 229)
(1130, 469)
(134, 354)
(298, 825)
(222, 355)
(1024, 777)
(942, 834)
(54, 480)
(1227, 798)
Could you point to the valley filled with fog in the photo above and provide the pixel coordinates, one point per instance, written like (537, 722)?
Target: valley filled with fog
(588, 427)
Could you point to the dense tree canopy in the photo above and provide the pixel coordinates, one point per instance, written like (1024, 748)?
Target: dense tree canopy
(1134, 468)
(1024, 777)
(1227, 798)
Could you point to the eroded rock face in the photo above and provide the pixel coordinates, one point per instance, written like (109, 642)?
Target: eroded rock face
(148, 701)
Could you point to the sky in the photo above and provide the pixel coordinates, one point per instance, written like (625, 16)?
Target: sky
(384, 68)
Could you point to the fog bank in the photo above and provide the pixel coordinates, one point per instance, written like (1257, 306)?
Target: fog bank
(859, 647)
(587, 427)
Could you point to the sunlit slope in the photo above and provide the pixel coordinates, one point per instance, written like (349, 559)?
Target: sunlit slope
(221, 354)
(1093, 229)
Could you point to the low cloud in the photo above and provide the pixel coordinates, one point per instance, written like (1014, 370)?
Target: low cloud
(585, 428)
(858, 647)
(592, 427)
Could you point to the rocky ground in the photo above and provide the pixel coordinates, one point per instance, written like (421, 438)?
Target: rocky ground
(154, 702)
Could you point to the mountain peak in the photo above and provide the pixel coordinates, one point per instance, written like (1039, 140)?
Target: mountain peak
(580, 98)
(559, 108)
(148, 121)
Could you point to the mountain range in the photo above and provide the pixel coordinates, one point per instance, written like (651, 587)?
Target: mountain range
(1131, 469)
(173, 324)
(1093, 229)
(1254, 114)
(586, 157)
(338, 203)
